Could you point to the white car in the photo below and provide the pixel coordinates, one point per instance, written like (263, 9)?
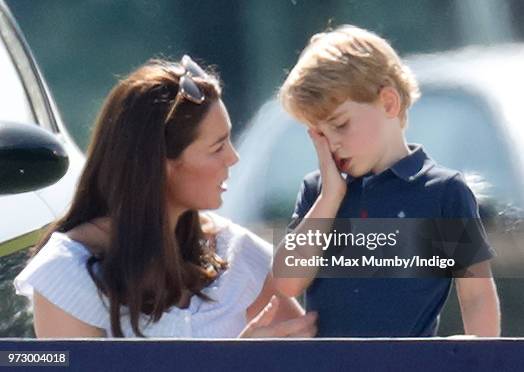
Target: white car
(35, 150)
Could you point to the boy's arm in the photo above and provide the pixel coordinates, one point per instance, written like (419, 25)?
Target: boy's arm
(324, 207)
(476, 289)
(479, 302)
(319, 217)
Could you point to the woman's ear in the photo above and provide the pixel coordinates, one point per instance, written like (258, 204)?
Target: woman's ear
(390, 99)
(171, 166)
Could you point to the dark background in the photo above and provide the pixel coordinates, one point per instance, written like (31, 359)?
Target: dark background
(83, 46)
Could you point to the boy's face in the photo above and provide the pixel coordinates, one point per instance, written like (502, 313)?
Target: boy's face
(357, 134)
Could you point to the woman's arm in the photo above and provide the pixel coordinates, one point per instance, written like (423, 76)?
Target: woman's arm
(263, 325)
(52, 322)
(273, 315)
(288, 308)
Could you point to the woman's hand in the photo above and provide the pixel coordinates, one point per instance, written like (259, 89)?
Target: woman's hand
(262, 325)
(333, 185)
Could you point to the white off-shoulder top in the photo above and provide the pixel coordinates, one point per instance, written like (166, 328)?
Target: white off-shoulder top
(58, 272)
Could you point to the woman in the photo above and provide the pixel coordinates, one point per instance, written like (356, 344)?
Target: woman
(133, 256)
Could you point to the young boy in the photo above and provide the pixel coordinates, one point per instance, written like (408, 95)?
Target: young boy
(353, 92)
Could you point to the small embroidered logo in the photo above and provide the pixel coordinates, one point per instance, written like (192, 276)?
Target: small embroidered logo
(401, 214)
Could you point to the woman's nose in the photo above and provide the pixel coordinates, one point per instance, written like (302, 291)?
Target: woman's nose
(233, 157)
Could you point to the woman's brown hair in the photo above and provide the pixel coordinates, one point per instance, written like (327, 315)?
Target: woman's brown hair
(146, 266)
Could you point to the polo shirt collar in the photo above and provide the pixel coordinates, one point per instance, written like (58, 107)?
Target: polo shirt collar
(409, 167)
(413, 165)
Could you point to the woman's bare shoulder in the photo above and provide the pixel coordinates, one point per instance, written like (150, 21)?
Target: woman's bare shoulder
(94, 235)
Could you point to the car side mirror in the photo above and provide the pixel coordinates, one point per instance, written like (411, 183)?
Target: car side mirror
(30, 158)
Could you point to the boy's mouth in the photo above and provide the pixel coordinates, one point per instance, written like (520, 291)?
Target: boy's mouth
(343, 164)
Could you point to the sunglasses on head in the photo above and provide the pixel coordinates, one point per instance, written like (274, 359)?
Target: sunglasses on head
(187, 88)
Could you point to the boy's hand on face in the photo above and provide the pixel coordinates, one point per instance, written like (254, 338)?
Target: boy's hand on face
(322, 213)
(333, 185)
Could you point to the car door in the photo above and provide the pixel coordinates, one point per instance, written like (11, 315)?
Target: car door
(20, 214)
(24, 98)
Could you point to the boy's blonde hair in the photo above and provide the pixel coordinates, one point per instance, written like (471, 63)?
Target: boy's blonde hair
(346, 63)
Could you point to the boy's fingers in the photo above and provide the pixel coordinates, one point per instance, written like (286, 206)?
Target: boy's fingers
(321, 144)
(314, 138)
(326, 162)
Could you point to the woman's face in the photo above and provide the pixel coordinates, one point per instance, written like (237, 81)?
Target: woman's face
(196, 179)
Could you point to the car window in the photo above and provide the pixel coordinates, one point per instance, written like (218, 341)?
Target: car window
(459, 131)
(14, 104)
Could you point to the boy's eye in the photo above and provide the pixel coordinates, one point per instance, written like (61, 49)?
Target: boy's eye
(341, 126)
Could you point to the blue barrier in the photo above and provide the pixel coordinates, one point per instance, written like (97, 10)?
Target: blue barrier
(503, 354)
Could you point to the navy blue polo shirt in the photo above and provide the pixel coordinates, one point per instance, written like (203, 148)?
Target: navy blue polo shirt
(414, 187)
